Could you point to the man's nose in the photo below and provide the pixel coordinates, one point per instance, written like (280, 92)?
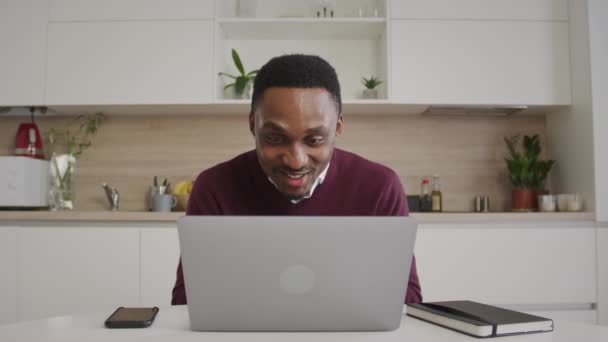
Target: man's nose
(296, 157)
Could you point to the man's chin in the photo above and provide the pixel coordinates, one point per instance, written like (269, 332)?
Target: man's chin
(294, 197)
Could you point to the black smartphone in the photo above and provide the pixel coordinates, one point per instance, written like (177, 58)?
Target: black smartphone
(131, 317)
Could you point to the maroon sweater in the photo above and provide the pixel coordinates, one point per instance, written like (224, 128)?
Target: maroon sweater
(353, 186)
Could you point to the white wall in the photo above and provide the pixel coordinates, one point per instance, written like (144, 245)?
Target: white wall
(598, 41)
(570, 141)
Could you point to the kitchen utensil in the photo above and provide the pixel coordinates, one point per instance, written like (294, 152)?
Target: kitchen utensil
(413, 203)
(547, 203)
(24, 182)
(28, 142)
(163, 202)
(477, 203)
(575, 202)
(562, 202)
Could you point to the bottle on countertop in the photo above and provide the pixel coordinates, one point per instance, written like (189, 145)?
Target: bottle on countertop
(425, 196)
(436, 197)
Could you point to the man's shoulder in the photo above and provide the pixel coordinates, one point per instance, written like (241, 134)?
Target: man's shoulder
(357, 165)
(375, 188)
(227, 172)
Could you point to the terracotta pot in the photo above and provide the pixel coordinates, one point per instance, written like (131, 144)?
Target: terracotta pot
(524, 200)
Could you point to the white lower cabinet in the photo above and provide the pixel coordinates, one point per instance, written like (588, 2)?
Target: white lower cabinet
(8, 275)
(522, 266)
(602, 267)
(159, 259)
(50, 271)
(76, 270)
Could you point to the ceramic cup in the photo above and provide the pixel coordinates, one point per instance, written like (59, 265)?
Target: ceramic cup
(547, 202)
(562, 202)
(575, 202)
(163, 202)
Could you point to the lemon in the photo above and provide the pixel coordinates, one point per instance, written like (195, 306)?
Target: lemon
(182, 188)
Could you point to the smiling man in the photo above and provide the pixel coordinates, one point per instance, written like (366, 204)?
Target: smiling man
(295, 169)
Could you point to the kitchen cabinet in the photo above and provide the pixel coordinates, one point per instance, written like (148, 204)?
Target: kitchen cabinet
(99, 10)
(159, 258)
(129, 62)
(70, 270)
(602, 267)
(524, 264)
(22, 61)
(480, 9)
(480, 62)
(8, 274)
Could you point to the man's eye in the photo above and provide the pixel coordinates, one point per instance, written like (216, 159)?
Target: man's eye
(274, 139)
(316, 140)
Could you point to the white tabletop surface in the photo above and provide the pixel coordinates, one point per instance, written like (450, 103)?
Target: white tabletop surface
(172, 324)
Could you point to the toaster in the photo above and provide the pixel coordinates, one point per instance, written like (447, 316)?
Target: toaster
(24, 182)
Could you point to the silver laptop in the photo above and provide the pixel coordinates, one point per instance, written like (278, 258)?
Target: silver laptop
(296, 273)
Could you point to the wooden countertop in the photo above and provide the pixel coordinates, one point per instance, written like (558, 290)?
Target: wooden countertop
(109, 217)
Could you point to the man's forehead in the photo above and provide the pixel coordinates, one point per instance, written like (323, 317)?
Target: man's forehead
(290, 100)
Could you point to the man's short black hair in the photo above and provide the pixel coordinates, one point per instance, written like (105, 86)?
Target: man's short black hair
(297, 71)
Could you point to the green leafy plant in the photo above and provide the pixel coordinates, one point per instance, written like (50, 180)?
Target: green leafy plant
(76, 135)
(371, 83)
(525, 169)
(74, 138)
(240, 81)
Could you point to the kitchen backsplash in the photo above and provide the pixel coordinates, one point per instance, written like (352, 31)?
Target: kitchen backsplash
(467, 152)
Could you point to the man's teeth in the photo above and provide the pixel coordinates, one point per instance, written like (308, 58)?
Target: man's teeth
(295, 176)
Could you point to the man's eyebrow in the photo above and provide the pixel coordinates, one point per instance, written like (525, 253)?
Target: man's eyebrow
(316, 130)
(268, 125)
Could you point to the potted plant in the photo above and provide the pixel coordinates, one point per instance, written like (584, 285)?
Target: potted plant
(370, 91)
(243, 83)
(526, 171)
(66, 145)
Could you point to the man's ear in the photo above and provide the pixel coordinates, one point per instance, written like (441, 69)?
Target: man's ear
(339, 124)
(251, 123)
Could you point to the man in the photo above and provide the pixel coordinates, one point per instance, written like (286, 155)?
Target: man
(296, 115)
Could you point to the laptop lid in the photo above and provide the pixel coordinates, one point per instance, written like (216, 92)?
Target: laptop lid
(296, 273)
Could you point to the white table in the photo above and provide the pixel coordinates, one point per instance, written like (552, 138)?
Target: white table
(172, 324)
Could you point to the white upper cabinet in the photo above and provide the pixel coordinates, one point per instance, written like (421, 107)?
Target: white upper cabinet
(480, 9)
(22, 56)
(480, 62)
(99, 10)
(129, 62)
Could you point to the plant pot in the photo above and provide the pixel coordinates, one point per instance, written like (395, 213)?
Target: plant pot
(525, 200)
(370, 93)
(245, 95)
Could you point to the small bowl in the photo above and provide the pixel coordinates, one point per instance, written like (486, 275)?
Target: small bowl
(182, 202)
(547, 203)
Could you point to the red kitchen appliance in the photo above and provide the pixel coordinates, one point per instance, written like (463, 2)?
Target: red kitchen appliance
(28, 142)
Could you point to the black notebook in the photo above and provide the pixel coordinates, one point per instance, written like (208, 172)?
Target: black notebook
(479, 320)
